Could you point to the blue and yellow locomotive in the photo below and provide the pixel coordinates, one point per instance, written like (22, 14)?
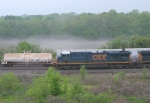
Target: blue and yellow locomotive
(74, 59)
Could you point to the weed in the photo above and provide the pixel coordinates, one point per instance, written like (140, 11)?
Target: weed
(116, 77)
(83, 72)
(144, 73)
(134, 99)
(104, 97)
(122, 74)
(76, 88)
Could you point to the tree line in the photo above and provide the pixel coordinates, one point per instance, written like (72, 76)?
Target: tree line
(87, 25)
(122, 42)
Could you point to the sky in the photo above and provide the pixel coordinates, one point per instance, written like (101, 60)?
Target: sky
(45, 7)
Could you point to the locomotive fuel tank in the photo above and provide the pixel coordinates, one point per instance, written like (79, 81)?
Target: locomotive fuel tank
(27, 57)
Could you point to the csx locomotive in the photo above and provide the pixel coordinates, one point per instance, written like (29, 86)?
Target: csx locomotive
(74, 59)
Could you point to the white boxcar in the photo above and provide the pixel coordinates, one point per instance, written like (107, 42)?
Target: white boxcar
(27, 58)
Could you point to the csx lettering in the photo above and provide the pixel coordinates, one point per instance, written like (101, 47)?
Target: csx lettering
(99, 57)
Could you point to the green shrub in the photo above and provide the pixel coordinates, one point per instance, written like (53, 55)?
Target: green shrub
(65, 87)
(134, 99)
(76, 89)
(49, 84)
(9, 83)
(39, 89)
(122, 74)
(83, 72)
(105, 97)
(116, 77)
(144, 72)
(54, 79)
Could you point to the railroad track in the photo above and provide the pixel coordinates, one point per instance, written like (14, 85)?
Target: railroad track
(42, 70)
(24, 67)
(103, 71)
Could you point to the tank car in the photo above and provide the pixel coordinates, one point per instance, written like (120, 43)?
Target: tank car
(11, 59)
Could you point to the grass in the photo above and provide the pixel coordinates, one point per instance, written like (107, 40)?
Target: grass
(127, 88)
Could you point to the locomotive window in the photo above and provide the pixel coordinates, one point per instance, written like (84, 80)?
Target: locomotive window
(65, 55)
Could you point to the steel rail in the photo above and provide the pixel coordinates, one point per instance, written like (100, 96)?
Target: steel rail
(41, 70)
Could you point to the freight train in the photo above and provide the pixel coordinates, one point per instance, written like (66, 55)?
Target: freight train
(74, 59)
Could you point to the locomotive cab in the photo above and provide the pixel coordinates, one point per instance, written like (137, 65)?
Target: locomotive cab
(63, 57)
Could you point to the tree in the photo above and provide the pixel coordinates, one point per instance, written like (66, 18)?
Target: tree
(25, 46)
(9, 83)
(49, 84)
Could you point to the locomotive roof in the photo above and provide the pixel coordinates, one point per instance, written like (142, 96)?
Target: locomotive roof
(102, 50)
(119, 52)
(127, 49)
(144, 52)
(68, 52)
(65, 52)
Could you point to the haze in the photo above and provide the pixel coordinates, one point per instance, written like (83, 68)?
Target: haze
(58, 43)
(45, 7)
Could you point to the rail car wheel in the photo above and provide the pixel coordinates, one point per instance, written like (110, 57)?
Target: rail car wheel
(148, 66)
(74, 67)
(77, 67)
(125, 67)
(46, 65)
(116, 67)
(70, 67)
(63, 68)
(7, 65)
(112, 67)
(119, 66)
